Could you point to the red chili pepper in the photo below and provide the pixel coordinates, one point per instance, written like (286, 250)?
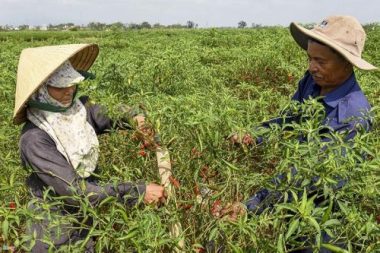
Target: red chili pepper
(204, 172)
(174, 182)
(146, 144)
(216, 208)
(186, 207)
(196, 190)
(142, 153)
(195, 153)
(12, 205)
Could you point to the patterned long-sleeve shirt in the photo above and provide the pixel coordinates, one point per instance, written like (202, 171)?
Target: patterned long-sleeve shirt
(51, 169)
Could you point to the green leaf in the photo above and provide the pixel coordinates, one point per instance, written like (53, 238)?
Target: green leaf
(343, 207)
(349, 246)
(310, 205)
(331, 222)
(329, 232)
(333, 248)
(106, 200)
(292, 227)
(231, 166)
(290, 207)
(280, 244)
(123, 214)
(314, 223)
(327, 213)
(12, 179)
(5, 228)
(331, 181)
(235, 249)
(303, 202)
(295, 195)
(131, 234)
(213, 234)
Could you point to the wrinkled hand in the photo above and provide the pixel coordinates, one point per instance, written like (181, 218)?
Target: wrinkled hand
(140, 120)
(231, 211)
(246, 139)
(154, 194)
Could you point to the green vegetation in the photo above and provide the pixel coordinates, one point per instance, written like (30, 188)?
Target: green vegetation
(198, 86)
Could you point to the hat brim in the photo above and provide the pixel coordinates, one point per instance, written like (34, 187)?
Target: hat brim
(36, 65)
(301, 35)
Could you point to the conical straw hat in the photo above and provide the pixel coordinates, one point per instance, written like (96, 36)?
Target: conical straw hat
(37, 64)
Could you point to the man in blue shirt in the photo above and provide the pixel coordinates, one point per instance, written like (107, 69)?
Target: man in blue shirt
(346, 107)
(333, 47)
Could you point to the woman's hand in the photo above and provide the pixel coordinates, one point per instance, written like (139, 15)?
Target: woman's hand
(154, 194)
(140, 120)
(145, 133)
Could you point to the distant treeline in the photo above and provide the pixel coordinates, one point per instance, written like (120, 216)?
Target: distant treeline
(98, 26)
(119, 26)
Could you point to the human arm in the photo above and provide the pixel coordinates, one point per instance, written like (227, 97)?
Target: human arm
(286, 116)
(38, 151)
(98, 117)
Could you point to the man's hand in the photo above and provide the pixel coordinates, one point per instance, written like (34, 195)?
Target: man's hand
(154, 194)
(246, 139)
(231, 211)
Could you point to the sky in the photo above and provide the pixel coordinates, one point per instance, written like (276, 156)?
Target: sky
(205, 13)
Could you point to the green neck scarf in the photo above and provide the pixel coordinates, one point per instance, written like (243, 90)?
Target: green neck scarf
(49, 107)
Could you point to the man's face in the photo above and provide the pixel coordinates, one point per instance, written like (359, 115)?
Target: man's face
(327, 68)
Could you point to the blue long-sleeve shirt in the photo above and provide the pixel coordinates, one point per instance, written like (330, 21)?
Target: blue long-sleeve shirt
(346, 107)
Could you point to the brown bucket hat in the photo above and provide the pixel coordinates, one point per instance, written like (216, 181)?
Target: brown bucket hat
(37, 64)
(342, 33)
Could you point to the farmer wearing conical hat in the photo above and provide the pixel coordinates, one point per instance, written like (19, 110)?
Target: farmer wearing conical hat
(334, 47)
(59, 138)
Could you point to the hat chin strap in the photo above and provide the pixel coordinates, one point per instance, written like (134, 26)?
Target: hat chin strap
(49, 107)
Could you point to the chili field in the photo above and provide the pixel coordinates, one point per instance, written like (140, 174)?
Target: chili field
(198, 86)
